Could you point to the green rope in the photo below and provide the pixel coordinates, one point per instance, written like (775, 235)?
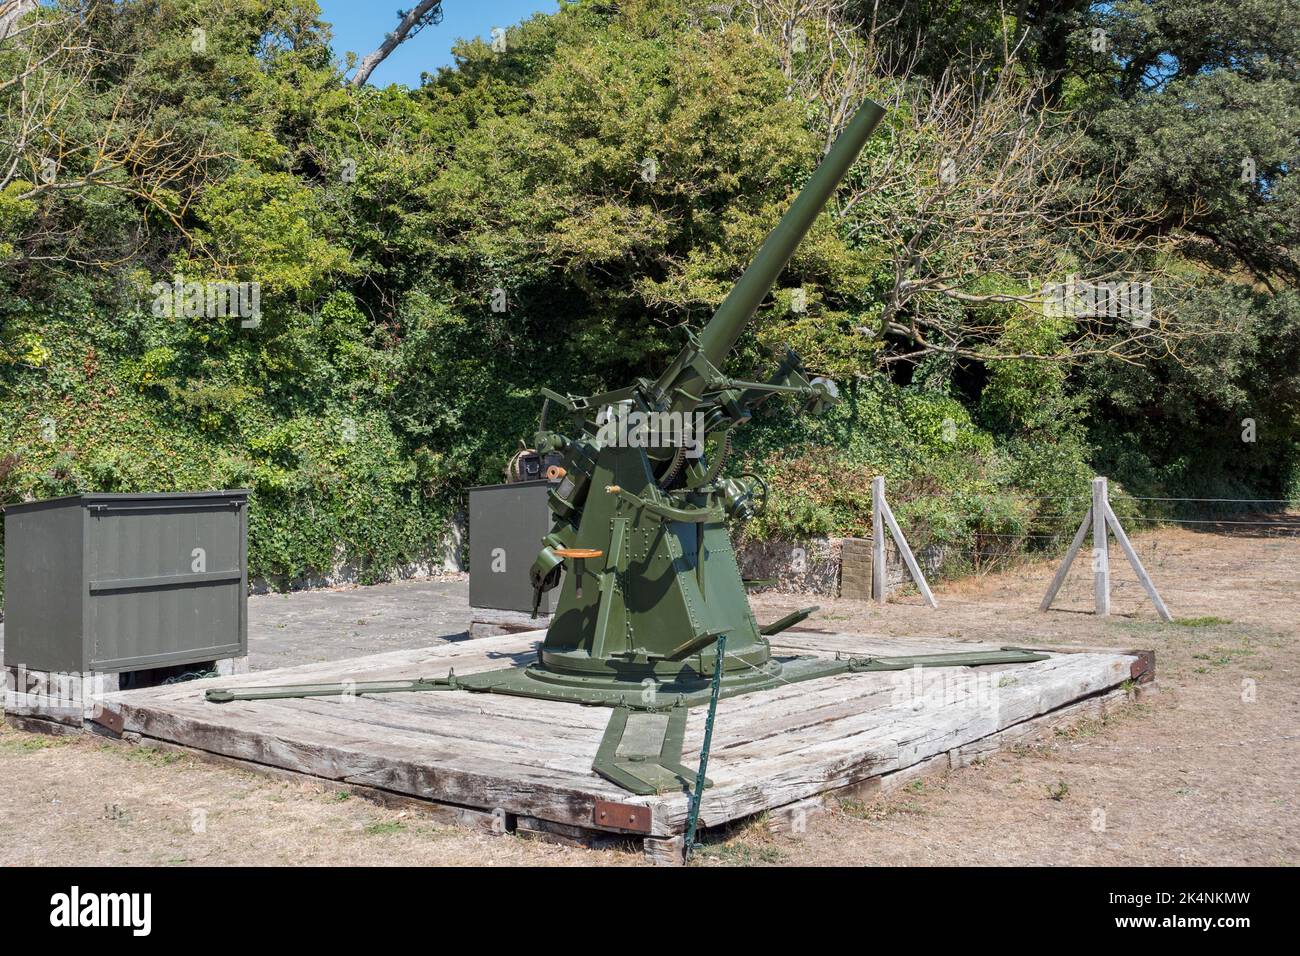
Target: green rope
(693, 819)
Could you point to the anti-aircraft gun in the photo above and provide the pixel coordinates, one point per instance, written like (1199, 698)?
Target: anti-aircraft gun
(653, 617)
(641, 511)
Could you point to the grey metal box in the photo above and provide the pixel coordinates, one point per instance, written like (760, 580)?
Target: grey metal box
(506, 526)
(112, 582)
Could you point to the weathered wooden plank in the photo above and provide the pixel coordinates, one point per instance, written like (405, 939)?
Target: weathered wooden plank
(446, 813)
(873, 788)
(483, 734)
(476, 782)
(531, 759)
(309, 720)
(868, 645)
(879, 575)
(1059, 578)
(893, 700)
(664, 851)
(768, 783)
(1091, 707)
(879, 742)
(39, 725)
(1034, 728)
(793, 819)
(565, 834)
(908, 558)
(1100, 549)
(552, 716)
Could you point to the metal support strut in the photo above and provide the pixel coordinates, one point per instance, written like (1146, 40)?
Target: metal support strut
(701, 781)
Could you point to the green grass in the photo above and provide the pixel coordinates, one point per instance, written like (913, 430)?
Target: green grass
(1207, 621)
(740, 853)
(150, 755)
(1221, 660)
(876, 812)
(1030, 750)
(1057, 791)
(1082, 729)
(385, 828)
(1221, 656)
(30, 743)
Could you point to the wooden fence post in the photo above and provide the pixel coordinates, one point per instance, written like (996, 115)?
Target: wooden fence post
(1147, 584)
(882, 514)
(1075, 545)
(1101, 519)
(878, 540)
(1100, 549)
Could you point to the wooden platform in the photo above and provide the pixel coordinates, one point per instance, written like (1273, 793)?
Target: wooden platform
(506, 763)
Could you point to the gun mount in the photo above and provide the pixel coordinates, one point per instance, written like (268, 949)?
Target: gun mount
(641, 511)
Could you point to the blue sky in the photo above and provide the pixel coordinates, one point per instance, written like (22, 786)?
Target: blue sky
(360, 25)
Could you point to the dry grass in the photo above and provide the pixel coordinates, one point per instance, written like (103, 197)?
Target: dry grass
(1199, 774)
(156, 807)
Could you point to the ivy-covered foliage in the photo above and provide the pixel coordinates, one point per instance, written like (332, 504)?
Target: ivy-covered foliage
(554, 214)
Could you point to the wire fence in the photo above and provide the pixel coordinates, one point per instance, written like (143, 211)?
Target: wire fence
(1049, 531)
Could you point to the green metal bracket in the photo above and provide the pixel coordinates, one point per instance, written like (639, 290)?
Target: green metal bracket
(609, 585)
(668, 512)
(641, 750)
(1008, 655)
(693, 646)
(353, 688)
(790, 620)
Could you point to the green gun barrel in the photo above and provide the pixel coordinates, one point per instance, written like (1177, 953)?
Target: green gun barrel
(720, 334)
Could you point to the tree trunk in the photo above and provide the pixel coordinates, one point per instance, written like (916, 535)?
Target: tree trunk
(11, 11)
(409, 22)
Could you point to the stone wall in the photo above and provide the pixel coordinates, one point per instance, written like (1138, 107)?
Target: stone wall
(829, 566)
(794, 567)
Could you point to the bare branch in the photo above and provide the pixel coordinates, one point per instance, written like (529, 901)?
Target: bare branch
(976, 202)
